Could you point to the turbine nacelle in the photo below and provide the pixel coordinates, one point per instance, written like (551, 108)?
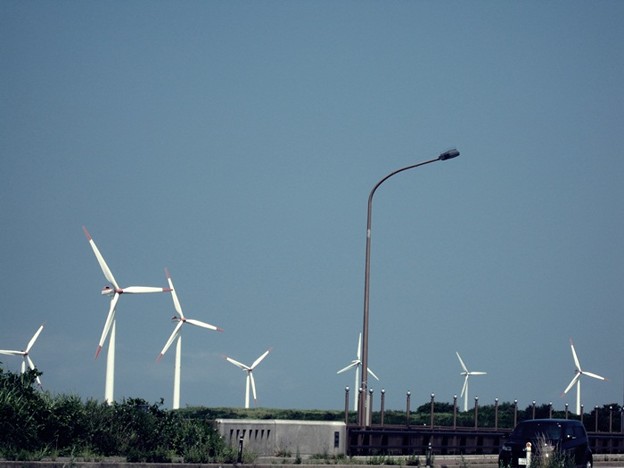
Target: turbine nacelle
(108, 291)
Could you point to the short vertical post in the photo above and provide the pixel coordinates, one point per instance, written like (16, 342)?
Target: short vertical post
(610, 418)
(566, 411)
(383, 405)
(496, 414)
(431, 410)
(429, 456)
(407, 409)
(596, 418)
(476, 412)
(515, 412)
(346, 405)
(533, 413)
(361, 416)
(370, 407)
(550, 410)
(239, 459)
(454, 412)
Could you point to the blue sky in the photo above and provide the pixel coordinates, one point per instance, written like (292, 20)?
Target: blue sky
(235, 143)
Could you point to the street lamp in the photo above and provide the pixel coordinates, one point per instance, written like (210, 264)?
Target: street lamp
(362, 410)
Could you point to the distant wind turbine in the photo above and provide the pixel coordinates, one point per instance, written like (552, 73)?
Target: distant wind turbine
(250, 378)
(181, 319)
(466, 373)
(357, 363)
(109, 325)
(577, 378)
(25, 353)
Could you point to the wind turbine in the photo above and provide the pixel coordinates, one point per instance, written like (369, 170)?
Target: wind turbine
(109, 325)
(177, 334)
(250, 378)
(577, 378)
(357, 363)
(466, 374)
(25, 353)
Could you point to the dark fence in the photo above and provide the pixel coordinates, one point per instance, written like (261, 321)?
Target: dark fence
(443, 429)
(402, 440)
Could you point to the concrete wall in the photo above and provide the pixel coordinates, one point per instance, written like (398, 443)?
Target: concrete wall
(280, 437)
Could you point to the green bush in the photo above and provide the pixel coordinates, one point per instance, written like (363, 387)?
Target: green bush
(36, 425)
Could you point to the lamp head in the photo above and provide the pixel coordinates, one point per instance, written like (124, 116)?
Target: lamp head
(450, 154)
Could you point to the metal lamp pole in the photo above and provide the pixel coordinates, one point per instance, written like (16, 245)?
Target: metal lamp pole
(362, 403)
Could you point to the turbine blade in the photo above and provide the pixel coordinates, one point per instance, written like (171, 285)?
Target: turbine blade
(572, 382)
(372, 373)
(253, 385)
(461, 362)
(477, 373)
(33, 339)
(359, 348)
(464, 386)
(576, 359)
(172, 337)
(176, 302)
(259, 360)
(109, 321)
(10, 352)
(198, 323)
(107, 273)
(31, 364)
(143, 289)
(353, 364)
(595, 376)
(237, 364)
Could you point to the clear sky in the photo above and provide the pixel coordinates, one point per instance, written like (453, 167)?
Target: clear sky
(236, 142)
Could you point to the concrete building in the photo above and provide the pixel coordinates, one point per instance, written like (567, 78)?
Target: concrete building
(282, 437)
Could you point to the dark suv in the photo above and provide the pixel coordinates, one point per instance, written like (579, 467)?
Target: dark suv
(564, 440)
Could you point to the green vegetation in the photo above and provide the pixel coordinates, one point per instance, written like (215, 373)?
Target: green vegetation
(34, 425)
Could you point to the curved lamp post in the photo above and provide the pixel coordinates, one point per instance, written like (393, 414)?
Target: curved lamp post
(362, 403)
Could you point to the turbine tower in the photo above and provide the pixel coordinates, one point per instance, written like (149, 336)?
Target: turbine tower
(466, 373)
(181, 319)
(577, 378)
(109, 326)
(25, 353)
(357, 363)
(250, 379)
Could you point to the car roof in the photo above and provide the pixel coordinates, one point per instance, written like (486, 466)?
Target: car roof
(569, 421)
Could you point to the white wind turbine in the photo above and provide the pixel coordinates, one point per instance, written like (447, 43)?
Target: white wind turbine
(577, 378)
(466, 374)
(109, 325)
(181, 319)
(357, 363)
(25, 353)
(250, 378)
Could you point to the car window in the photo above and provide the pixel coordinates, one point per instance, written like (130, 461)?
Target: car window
(568, 432)
(535, 430)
